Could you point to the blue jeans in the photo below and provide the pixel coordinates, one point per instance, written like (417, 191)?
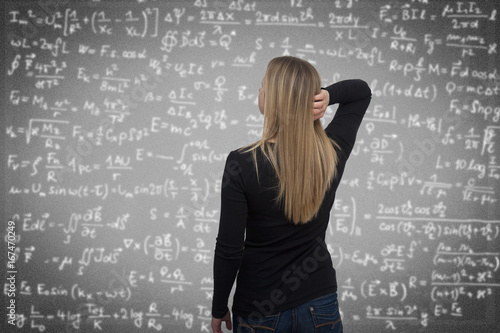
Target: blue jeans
(319, 315)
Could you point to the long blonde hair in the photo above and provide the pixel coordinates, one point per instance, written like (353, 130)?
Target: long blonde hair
(303, 156)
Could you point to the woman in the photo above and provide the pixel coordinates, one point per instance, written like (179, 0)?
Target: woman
(275, 205)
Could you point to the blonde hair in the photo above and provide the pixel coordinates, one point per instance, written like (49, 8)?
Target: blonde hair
(303, 155)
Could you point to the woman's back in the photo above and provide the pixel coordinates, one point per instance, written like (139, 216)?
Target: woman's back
(280, 258)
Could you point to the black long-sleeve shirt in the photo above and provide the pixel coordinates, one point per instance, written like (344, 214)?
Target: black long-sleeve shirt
(280, 265)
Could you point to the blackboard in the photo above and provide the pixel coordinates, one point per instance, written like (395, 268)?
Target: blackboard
(117, 117)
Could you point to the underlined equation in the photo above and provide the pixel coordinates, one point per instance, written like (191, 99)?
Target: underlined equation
(135, 23)
(93, 316)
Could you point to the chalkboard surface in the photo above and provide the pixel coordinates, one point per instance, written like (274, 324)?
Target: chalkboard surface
(117, 117)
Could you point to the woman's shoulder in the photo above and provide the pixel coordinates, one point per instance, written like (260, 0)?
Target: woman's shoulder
(241, 155)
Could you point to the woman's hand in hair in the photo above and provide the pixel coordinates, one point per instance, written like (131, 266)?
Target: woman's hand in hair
(321, 102)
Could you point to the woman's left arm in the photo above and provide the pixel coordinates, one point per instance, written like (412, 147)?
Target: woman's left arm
(230, 238)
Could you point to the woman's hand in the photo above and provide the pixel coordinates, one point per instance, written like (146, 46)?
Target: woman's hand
(217, 323)
(321, 102)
